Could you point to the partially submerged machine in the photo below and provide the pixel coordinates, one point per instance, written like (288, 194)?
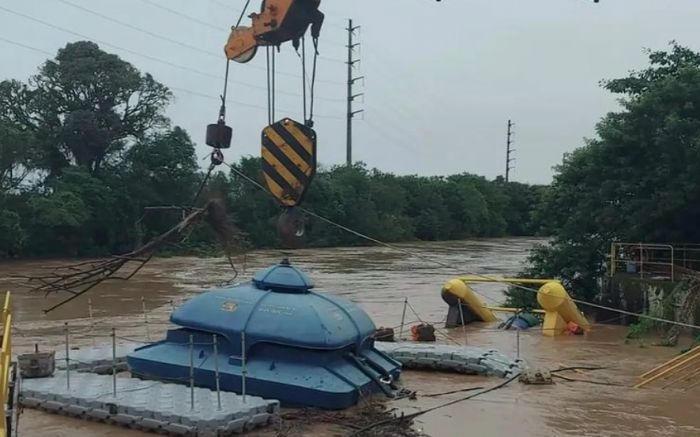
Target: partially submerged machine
(301, 347)
(560, 311)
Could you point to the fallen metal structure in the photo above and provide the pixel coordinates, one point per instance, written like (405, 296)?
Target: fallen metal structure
(557, 306)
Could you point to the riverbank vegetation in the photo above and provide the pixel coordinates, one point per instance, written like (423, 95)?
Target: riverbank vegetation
(85, 147)
(636, 181)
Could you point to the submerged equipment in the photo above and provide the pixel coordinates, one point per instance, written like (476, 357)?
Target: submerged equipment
(301, 347)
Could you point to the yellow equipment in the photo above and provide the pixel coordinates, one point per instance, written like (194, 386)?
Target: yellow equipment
(6, 370)
(559, 309)
(684, 368)
(557, 306)
(279, 21)
(466, 296)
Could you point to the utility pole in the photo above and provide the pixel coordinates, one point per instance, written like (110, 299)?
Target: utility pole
(351, 97)
(509, 150)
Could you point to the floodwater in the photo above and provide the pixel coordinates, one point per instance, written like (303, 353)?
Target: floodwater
(379, 279)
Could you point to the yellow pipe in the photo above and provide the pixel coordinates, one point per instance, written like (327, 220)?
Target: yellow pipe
(480, 279)
(559, 309)
(513, 310)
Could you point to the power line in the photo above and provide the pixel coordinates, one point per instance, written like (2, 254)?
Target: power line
(173, 41)
(190, 18)
(145, 56)
(19, 44)
(331, 42)
(449, 266)
(184, 90)
(251, 105)
(405, 124)
(185, 16)
(144, 31)
(225, 6)
(393, 140)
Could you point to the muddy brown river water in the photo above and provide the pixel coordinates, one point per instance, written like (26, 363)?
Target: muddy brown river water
(378, 279)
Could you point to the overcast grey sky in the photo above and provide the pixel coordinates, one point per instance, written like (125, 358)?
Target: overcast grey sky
(441, 78)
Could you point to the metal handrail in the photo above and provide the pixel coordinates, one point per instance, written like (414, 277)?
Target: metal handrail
(5, 362)
(642, 248)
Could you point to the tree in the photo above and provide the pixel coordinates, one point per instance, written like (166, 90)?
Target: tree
(162, 168)
(83, 107)
(637, 181)
(15, 156)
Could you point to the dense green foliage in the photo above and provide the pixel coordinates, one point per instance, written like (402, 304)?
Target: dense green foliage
(85, 146)
(636, 182)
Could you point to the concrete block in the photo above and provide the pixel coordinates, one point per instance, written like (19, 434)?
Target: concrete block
(178, 429)
(75, 410)
(236, 426)
(150, 424)
(30, 402)
(477, 369)
(52, 406)
(148, 405)
(260, 419)
(125, 419)
(98, 414)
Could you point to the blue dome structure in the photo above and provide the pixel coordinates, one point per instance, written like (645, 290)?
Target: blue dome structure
(300, 346)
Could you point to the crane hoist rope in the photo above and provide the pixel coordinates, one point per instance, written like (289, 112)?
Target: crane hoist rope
(288, 147)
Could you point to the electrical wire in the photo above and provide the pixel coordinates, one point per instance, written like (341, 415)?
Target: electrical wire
(183, 90)
(185, 16)
(445, 265)
(19, 44)
(209, 25)
(153, 58)
(224, 5)
(311, 213)
(179, 43)
(141, 30)
(250, 105)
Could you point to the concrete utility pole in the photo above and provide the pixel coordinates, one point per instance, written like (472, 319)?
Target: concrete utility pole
(509, 150)
(351, 97)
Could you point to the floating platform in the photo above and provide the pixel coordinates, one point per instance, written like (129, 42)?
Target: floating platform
(470, 360)
(147, 405)
(96, 359)
(427, 356)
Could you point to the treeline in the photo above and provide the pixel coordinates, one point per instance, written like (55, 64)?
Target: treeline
(392, 208)
(85, 149)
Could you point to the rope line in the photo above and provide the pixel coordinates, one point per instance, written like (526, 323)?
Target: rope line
(445, 265)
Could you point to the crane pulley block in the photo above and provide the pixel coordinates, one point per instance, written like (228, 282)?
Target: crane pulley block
(288, 160)
(279, 21)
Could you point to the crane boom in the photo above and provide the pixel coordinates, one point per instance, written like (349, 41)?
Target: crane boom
(279, 21)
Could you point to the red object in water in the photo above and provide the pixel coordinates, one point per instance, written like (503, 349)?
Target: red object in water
(572, 328)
